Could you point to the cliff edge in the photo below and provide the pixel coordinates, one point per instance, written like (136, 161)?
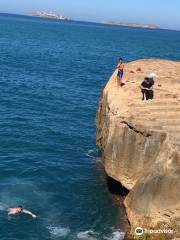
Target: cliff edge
(140, 142)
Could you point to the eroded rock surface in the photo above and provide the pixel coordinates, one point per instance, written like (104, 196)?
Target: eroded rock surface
(140, 141)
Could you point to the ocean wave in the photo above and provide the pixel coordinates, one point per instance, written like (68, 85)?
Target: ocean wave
(59, 231)
(116, 235)
(92, 235)
(92, 153)
(3, 207)
(87, 235)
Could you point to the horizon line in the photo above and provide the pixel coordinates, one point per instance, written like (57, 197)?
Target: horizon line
(91, 21)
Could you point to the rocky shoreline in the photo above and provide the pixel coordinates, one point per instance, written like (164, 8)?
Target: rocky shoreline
(133, 25)
(140, 143)
(48, 15)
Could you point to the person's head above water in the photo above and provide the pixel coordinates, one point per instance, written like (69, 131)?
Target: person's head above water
(20, 207)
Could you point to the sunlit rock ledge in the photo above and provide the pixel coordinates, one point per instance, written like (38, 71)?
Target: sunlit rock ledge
(140, 142)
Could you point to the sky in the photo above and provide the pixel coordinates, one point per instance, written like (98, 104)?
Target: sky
(164, 13)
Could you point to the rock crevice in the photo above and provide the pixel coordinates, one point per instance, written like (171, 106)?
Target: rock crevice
(145, 134)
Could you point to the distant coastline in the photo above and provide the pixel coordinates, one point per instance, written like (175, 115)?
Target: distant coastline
(134, 25)
(48, 15)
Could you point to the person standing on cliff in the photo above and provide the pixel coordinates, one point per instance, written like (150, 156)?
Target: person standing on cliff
(120, 68)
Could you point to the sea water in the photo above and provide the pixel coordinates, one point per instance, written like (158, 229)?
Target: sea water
(51, 75)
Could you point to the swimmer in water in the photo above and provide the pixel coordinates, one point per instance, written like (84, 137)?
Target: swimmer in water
(20, 209)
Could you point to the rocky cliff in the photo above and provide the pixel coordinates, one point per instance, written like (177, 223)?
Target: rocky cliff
(140, 142)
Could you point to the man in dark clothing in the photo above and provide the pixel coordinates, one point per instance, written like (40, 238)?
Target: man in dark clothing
(147, 88)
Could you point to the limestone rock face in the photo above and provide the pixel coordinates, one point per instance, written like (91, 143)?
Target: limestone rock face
(140, 141)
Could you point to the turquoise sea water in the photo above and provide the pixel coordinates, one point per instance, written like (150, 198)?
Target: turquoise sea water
(51, 74)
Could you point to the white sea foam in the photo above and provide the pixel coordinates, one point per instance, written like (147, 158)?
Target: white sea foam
(92, 153)
(3, 207)
(59, 231)
(87, 235)
(116, 235)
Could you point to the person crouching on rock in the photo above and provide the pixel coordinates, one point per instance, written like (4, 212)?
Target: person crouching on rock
(147, 89)
(120, 68)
